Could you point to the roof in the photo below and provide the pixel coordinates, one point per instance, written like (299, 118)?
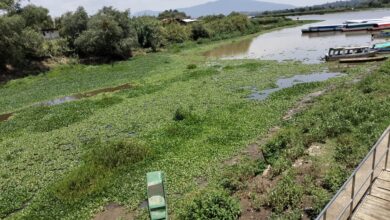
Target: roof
(350, 48)
(188, 20)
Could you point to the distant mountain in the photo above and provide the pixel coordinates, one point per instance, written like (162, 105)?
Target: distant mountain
(226, 7)
(147, 13)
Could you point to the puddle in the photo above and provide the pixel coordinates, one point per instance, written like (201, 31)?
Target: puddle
(290, 82)
(71, 98)
(5, 117)
(84, 95)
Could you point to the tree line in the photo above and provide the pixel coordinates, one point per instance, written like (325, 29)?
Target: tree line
(110, 33)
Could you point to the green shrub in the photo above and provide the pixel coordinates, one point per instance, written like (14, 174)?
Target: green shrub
(177, 33)
(199, 31)
(117, 153)
(191, 66)
(83, 181)
(98, 165)
(211, 205)
(56, 48)
(335, 178)
(286, 195)
(236, 176)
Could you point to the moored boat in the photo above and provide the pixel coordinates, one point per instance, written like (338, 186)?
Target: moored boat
(382, 47)
(349, 52)
(324, 28)
(381, 26)
(362, 59)
(359, 27)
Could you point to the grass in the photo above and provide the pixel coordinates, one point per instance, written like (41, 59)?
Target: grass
(346, 122)
(67, 161)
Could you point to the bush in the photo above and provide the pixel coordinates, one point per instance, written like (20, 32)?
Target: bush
(56, 48)
(150, 32)
(199, 31)
(335, 178)
(81, 182)
(118, 153)
(236, 176)
(177, 33)
(99, 164)
(286, 195)
(211, 205)
(191, 66)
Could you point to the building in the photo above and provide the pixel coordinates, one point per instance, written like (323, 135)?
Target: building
(50, 33)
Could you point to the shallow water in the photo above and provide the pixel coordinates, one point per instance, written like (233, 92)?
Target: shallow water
(290, 82)
(291, 44)
(71, 98)
(84, 95)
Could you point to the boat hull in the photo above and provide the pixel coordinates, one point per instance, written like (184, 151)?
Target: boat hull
(365, 55)
(362, 60)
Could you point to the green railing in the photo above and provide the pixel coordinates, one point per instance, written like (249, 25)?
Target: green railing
(360, 182)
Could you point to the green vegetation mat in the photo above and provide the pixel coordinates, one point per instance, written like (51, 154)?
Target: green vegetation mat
(184, 115)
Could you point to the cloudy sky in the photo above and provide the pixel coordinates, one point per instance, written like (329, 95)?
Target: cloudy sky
(57, 7)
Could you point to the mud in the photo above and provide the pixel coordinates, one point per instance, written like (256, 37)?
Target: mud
(114, 211)
(5, 117)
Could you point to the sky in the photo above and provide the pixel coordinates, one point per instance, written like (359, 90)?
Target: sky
(58, 7)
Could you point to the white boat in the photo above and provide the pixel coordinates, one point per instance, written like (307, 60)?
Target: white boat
(349, 52)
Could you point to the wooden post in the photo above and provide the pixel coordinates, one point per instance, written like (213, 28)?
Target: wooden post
(352, 195)
(373, 171)
(388, 151)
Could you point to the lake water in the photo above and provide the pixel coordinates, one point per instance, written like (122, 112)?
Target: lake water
(291, 44)
(290, 82)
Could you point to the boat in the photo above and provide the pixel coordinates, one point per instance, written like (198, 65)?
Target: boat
(381, 26)
(382, 47)
(382, 34)
(358, 27)
(362, 59)
(325, 28)
(349, 52)
(367, 21)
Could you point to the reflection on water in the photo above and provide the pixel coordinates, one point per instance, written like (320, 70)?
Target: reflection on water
(291, 44)
(290, 82)
(233, 49)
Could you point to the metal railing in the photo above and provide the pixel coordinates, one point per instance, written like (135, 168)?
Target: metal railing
(357, 186)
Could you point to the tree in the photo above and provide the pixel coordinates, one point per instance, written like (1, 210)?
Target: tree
(36, 17)
(72, 24)
(199, 31)
(150, 32)
(177, 33)
(172, 15)
(10, 5)
(108, 35)
(18, 44)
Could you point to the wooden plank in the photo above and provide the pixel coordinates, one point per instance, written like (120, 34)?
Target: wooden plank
(385, 175)
(381, 193)
(383, 184)
(373, 208)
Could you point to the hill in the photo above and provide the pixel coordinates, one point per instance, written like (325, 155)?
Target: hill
(226, 7)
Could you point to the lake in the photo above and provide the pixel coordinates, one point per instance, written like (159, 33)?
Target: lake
(291, 44)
